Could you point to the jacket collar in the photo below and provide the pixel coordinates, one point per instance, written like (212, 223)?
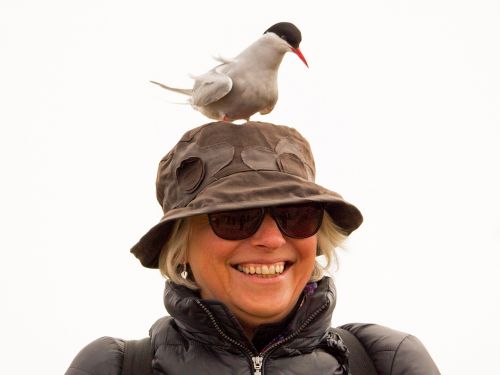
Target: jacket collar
(203, 320)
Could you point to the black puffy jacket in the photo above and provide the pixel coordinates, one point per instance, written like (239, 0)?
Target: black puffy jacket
(204, 337)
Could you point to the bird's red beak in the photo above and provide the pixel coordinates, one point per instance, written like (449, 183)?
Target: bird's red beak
(301, 56)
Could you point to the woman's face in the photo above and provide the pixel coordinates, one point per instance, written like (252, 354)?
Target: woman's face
(227, 271)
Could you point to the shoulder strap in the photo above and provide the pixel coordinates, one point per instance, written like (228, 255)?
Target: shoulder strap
(360, 362)
(137, 357)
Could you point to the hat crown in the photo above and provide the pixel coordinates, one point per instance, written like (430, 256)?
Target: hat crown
(217, 150)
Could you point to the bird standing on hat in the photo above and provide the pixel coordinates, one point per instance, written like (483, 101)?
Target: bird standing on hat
(246, 84)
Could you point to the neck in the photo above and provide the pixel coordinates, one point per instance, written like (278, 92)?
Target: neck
(251, 324)
(249, 330)
(267, 52)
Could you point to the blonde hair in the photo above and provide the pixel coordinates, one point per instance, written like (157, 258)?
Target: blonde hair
(173, 254)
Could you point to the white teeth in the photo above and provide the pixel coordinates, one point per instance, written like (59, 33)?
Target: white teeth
(263, 270)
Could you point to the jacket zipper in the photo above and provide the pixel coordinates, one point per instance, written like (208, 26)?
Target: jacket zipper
(258, 360)
(265, 353)
(257, 364)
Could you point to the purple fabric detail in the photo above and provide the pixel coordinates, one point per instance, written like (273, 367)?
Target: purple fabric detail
(310, 288)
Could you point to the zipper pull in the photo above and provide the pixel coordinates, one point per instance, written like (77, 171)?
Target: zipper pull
(257, 364)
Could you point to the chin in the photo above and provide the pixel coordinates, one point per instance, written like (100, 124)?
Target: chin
(268, 310)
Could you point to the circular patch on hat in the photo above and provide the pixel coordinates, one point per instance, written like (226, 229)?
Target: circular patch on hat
(291, 163)
(259, 158)
(190, 174)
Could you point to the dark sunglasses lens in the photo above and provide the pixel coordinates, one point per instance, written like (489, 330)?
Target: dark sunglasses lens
(299, 221)
(236, 225)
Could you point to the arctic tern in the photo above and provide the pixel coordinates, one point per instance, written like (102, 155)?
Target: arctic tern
(240, 87)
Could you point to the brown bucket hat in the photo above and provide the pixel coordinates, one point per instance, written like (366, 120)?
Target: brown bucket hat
(221, 166)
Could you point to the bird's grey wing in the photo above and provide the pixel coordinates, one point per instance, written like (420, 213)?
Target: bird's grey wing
(210, 87)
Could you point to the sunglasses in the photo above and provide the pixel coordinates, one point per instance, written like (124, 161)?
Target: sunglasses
(295, 220)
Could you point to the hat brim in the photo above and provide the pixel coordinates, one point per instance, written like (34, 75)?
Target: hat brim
(246, 190)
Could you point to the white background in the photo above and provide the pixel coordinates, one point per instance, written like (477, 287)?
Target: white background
(401, 105)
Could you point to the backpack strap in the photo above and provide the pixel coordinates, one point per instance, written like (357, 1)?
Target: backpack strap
(137, 357)
(360, 362)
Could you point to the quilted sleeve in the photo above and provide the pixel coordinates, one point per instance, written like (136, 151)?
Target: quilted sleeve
(103, 356)
(393, 352)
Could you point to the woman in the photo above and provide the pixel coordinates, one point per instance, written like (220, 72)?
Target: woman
(243, 224)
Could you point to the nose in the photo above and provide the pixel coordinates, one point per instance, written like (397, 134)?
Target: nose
(268, 235)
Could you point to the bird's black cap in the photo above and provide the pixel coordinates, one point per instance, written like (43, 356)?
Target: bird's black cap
(287, 31)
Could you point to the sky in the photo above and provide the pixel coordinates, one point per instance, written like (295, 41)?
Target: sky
(401, 106)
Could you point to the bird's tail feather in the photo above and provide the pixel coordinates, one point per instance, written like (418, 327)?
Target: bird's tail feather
(179, 103)
(181, 91)
(222, 59)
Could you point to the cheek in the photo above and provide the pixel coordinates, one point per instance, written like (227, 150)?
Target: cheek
(307, 253)
(207, 256)
(307, 248)
(211, 273)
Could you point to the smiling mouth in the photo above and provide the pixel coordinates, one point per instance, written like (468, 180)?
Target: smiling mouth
(263, 270)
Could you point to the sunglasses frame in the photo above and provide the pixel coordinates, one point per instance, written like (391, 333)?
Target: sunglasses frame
(272, 211)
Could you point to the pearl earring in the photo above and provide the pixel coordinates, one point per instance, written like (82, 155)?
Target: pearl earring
(184, 273)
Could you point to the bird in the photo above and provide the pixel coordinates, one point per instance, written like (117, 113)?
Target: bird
(238, 88)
